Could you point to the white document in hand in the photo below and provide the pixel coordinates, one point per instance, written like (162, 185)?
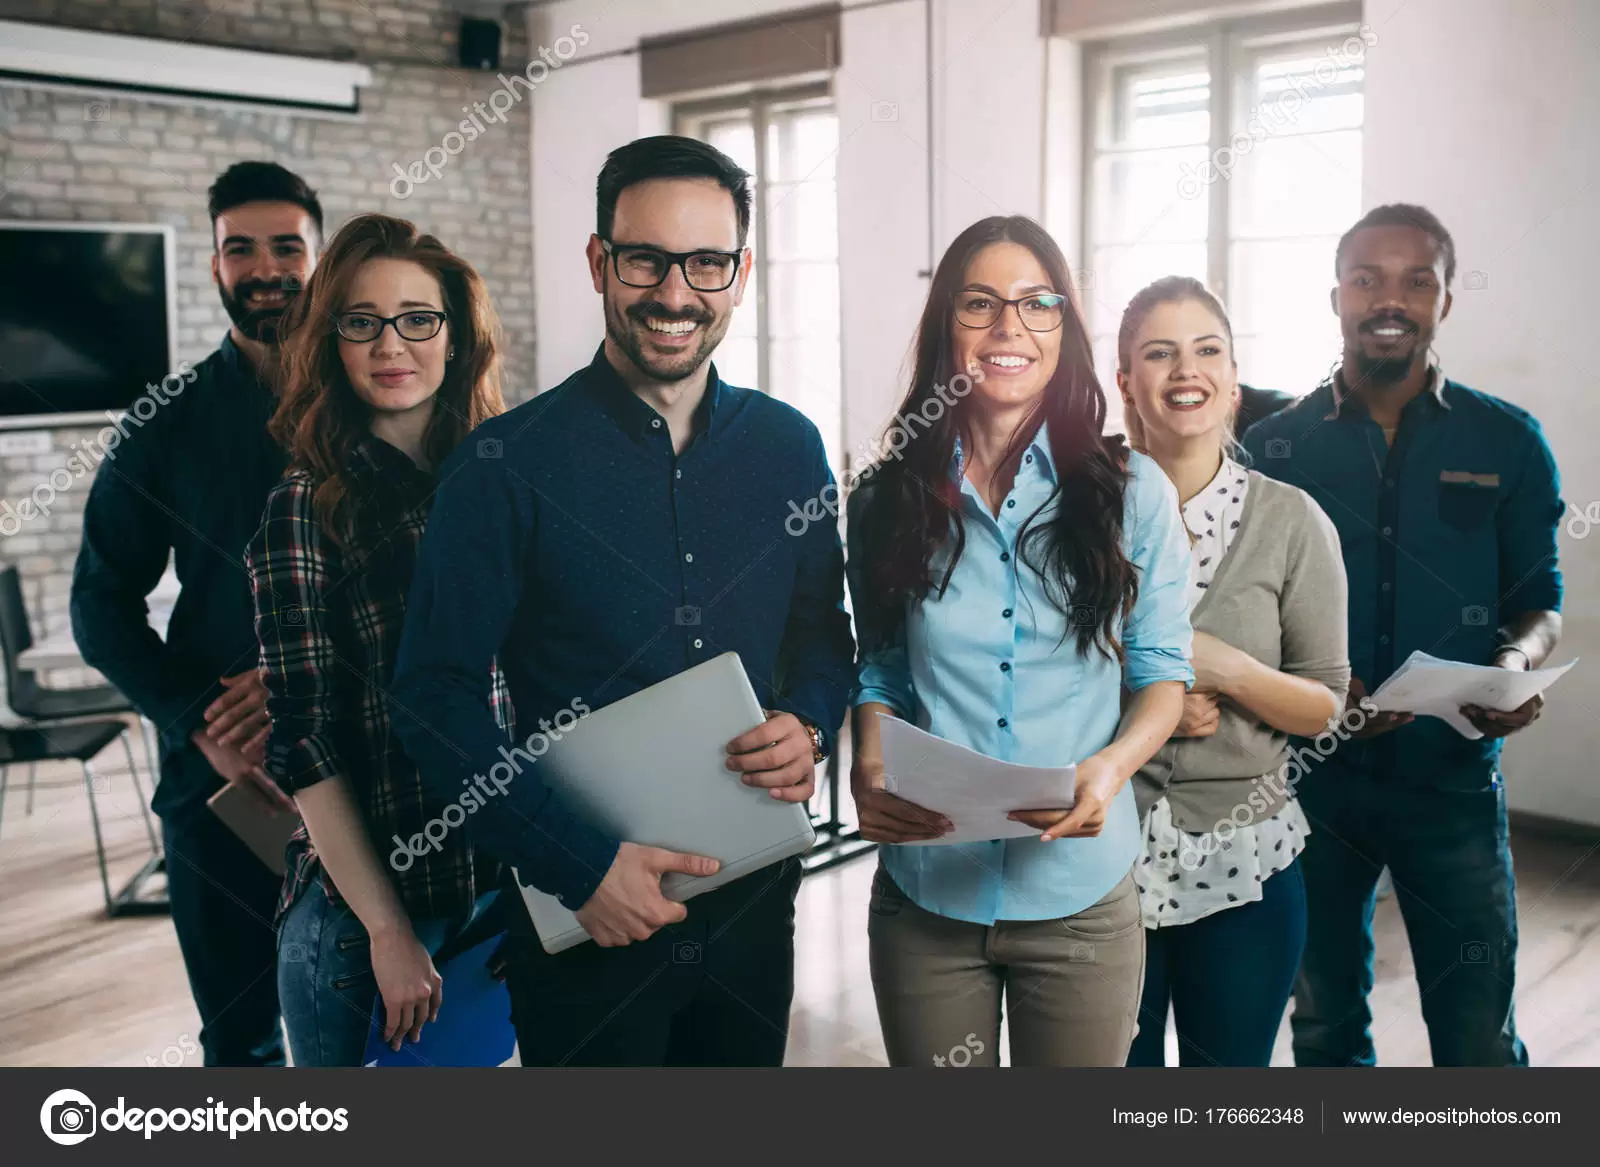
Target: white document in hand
(974, 791)
(1429, 686)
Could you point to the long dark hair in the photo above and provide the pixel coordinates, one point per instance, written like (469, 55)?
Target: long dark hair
(912, 508)
(320, 420)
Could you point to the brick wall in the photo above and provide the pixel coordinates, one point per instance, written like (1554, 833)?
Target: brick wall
(118, 158)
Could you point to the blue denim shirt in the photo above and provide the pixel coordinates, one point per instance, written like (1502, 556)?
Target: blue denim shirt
(1447, 535)
(988, 665)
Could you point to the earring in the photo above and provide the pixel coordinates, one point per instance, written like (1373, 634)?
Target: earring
(450, 354)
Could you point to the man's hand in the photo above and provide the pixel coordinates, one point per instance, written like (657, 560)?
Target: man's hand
(238, 770)
(776, 755)
(1098, 782)
(238, 718)
(1374, 724)
(628, 904)
(1495, 723)
(887, 818)
(1201, 714)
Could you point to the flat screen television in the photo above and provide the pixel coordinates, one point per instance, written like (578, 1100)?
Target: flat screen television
(87, 319)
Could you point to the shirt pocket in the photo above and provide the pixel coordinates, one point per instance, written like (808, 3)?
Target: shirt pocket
(1467, 501)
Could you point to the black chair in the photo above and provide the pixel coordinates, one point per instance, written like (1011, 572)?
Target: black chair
(82, 742)
(48, 709)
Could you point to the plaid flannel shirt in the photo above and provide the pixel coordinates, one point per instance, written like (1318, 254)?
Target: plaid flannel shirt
(329, 621)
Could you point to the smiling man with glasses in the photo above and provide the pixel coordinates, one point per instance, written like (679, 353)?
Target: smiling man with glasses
(614, 531)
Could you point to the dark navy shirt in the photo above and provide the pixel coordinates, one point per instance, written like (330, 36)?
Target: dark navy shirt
(568, 540)
(188, 481)
(1447, 535)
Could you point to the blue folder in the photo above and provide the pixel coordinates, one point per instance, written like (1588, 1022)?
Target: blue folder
(474, 1025)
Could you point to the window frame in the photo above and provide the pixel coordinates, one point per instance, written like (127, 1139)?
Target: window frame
(690, 118)
(1229, 48)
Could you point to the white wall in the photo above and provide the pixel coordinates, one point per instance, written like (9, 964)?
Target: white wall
(1486, 112)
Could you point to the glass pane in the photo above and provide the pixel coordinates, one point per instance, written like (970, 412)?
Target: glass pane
(804, 300)
(805, 374)
(1298, 185)
(736, 361)
(1307, 93)
(1119, 272)
(1285, 334)
(1150, 196)
(802, 145)
(1163, 106)
(804, 221)
(735, 137)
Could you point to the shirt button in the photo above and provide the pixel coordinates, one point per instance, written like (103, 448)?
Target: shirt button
(687, 558)
(1002, 723)
(1005, 557)
(1383, 640)
(1387, 531)
(1005, 666)
(1011, 502)
(1029, 459)
(698, 643)
(1388, 482)
(677, 473)
(655, 424)
(1387, 585)
(1006, 613)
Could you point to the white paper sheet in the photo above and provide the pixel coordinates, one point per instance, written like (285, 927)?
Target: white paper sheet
(1427, 685)
(973, 791)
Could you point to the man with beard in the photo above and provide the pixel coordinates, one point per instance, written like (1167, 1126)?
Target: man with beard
(1446, 501)
(612, 532)
(191, 483)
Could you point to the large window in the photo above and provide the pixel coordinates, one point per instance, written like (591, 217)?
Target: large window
(785, 339)
(1231, 153)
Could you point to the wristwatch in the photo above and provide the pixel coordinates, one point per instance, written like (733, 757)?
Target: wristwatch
(819, 752)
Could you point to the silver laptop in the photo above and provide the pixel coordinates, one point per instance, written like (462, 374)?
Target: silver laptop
(650, 769)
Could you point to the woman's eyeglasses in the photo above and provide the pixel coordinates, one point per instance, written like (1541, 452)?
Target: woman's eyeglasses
(1040, 312)
(362, 327)
(639, 266)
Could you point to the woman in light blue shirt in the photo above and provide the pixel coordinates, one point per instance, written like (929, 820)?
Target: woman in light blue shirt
(1014, 573)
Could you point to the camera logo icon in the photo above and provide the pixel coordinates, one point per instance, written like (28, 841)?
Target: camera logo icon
(490, 448)
(1082, 616)
(1477, 616)
(885, 111)
(1277, 447)
(685, 952)
(68, 1117)
(1475, 952)
(686, 616)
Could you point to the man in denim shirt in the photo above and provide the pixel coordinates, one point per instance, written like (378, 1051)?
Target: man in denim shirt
(1447, 502)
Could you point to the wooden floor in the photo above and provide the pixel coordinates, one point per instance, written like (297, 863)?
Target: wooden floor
(79, 989)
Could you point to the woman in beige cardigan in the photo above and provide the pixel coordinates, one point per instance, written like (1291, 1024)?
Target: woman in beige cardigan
(1222, 899)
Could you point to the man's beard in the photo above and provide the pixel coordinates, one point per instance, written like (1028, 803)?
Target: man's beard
(259, 324)
(1383, 370)
(624, 325)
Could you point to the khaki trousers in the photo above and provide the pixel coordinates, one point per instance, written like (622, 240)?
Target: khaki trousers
(1070, 986)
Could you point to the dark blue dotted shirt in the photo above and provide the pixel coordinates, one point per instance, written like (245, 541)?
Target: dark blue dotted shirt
(569, 540)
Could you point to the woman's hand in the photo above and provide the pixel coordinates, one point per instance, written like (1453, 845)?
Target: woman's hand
(1099, 779)
(1201, 713)
(885, 817)
(411, 988)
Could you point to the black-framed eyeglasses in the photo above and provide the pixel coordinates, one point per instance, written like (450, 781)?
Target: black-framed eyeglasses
(1040, 312)
(362, 327)
(642, 266)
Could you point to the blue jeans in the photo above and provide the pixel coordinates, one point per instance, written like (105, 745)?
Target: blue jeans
(1227, 978)
(325, 981)
(1449, 853)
